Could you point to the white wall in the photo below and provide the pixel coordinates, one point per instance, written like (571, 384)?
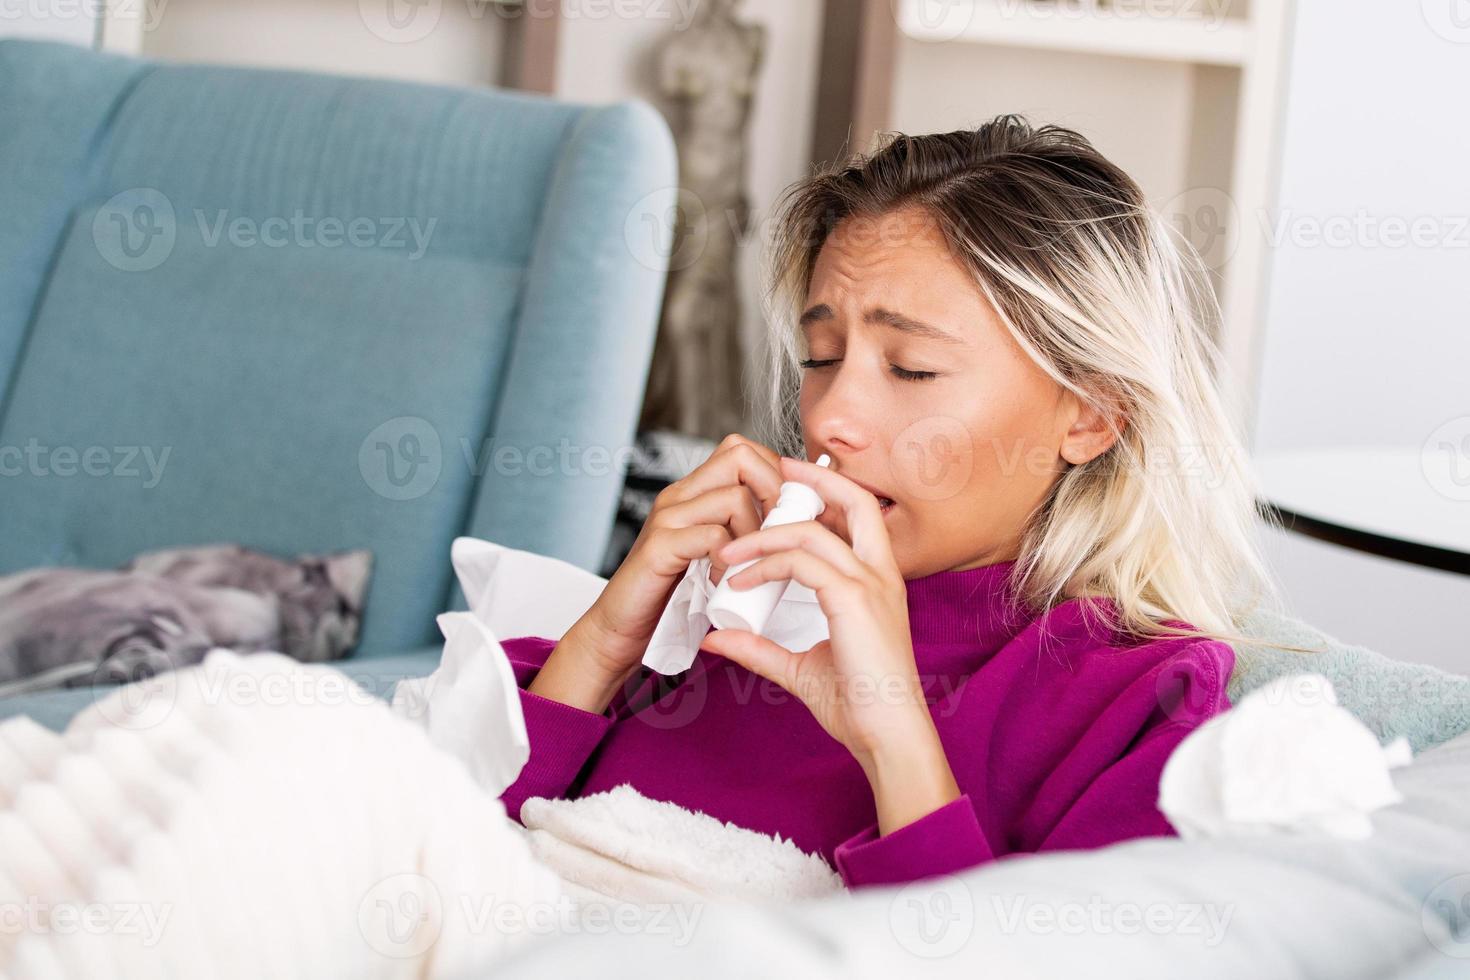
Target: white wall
(1137, 112)
(71, 21)
(444, 41)
(1368, 343)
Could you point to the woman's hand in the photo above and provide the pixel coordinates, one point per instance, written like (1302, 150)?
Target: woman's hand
(862, 684)
(725, 497)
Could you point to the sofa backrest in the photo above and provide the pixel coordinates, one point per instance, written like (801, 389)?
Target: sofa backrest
(280, 309)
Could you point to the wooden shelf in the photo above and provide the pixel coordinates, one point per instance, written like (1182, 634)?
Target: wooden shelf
(1066, 25)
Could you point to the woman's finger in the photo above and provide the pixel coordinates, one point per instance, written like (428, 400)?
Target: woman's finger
(731, 506)
(857, 509)
(811, 536)
(736, 460)
(756, 654)
(835, 591)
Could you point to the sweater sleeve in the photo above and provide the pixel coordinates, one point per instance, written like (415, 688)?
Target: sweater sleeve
(1101, 789)
(1122, 803)
(562, 737)
(944, 841)
(1118, 800)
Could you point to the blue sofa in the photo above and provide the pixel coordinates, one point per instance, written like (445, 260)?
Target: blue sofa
(307, 313)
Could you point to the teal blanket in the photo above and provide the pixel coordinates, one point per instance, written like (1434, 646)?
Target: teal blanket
(1424, 704)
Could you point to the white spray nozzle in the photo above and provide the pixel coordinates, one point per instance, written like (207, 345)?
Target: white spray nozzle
(750, 609)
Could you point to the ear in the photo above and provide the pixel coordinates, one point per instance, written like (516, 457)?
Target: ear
(349, 572)
(1092, 432)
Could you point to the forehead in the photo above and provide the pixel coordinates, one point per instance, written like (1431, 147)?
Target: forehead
(900, 262)
(898, 239)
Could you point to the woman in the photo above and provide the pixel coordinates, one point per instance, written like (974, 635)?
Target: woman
(1033, 544)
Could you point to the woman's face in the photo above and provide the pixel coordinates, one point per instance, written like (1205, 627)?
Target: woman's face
(919, 393)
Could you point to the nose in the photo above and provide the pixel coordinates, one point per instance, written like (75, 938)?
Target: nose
(839, 420)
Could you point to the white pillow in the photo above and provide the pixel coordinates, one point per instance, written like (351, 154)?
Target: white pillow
(521, 593)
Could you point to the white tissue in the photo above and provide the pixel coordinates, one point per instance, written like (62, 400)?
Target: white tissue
(1286, 759)
(797, 623)
(470, 705)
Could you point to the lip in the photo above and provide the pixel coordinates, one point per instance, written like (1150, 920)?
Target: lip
(875, 492)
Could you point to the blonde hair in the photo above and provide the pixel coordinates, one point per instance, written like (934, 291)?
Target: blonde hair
(1093, 287)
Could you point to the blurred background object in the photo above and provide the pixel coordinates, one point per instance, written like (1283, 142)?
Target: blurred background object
(708, 72)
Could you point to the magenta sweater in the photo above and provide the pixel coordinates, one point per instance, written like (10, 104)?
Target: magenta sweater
(1056, 734)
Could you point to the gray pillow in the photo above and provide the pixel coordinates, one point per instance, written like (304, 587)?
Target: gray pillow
(1424, 704)
(167, 608)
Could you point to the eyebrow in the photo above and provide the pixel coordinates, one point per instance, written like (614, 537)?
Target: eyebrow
(888, 318)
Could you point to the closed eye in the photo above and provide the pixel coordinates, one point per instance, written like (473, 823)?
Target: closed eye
(897, 371)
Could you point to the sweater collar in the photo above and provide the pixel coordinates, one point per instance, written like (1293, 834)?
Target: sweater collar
(972, 606)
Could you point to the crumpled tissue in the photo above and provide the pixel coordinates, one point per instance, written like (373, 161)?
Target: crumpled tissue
(796, 624)
(470, 705)
(1286, 759)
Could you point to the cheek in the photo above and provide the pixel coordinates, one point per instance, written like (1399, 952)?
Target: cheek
(933, 457)
(981, 457)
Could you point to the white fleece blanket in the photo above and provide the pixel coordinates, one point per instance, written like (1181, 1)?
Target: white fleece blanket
(257, 817)
(622, 846)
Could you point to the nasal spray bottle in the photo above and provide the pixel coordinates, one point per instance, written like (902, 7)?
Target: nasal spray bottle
(750, 609)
